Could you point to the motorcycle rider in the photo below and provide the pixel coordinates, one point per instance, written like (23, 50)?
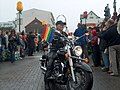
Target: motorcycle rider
(56, 44)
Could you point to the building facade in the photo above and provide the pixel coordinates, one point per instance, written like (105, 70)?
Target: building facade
(8, 25)
(34, 26)
(30, 15)
(92, 20)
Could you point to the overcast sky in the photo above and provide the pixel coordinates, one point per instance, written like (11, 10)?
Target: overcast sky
(70, 8)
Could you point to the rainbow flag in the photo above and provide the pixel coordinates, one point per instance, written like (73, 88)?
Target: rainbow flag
(48, 33)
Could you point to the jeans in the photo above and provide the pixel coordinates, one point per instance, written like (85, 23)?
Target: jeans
(105, 59)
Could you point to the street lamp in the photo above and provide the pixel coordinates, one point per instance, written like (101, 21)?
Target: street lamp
(64, 22)
(19, 9)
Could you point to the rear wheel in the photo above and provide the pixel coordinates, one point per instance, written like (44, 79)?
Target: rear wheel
(84, 81)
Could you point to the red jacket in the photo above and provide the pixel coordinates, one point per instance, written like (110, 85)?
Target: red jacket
(94, 40)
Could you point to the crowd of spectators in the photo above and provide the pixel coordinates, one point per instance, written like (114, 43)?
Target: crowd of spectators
(103, 44)
(24, 44)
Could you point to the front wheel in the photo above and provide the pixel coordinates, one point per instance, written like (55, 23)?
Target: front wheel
(84, 81)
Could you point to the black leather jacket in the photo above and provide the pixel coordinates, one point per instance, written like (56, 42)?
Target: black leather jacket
(57, 41)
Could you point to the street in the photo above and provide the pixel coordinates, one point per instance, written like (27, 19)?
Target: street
(27, 75)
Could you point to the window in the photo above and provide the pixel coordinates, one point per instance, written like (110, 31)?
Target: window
(91, 17)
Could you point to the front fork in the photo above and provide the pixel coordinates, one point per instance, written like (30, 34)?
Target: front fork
(71, 64)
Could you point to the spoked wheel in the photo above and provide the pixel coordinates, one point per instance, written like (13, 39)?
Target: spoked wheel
(84, 81)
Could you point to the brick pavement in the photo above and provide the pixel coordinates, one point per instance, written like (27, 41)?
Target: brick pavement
(103, 81)
(27, 75)
(21, 75)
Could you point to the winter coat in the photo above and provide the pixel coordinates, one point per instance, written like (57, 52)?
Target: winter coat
(111, 36)
(94, 41)
(102, 42)
(78, 33)
(31, 41)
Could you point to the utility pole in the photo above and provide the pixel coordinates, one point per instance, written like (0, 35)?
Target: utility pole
(19, 9)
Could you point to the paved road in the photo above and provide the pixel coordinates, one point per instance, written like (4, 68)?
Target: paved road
(27, 75)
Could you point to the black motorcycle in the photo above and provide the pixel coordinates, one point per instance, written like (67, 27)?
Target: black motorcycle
(69, 68)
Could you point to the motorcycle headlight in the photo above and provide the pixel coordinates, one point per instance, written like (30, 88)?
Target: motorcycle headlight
(78, 50)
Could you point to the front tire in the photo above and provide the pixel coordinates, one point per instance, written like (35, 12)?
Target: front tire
(84, 81)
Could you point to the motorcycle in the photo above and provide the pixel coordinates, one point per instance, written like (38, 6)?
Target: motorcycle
(69, 68)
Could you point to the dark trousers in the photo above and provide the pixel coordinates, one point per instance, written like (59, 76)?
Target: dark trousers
(96, 55)
(85, 53)
(0, 55)
(12, 56)
(30, 51)
(51, 57)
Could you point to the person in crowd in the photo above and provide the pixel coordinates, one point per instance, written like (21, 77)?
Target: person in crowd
(19, 44)
(95, 48)
(89, 37)
(39, 42)
(118, 23)
(105, 55)
(112, 39)
(1, 43)
(80, 32)
(6, 39)
(23, 44)
(24, 39)
(13, 43)
(31, 43)
(36, 42)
